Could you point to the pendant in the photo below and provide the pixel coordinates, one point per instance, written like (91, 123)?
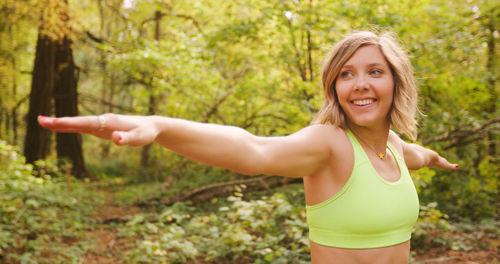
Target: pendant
(381, 155)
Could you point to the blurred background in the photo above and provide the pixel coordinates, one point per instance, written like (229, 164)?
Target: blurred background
(253, 64)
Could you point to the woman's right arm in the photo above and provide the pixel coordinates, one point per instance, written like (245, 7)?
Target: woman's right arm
(236, 149)
(296, 155)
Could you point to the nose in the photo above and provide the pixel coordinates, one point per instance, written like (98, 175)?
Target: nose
(361, 82)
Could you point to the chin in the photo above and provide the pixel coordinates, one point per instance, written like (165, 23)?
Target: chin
(369, 122)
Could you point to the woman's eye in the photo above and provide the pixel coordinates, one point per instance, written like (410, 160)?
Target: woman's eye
(345, 74)
(375, 72)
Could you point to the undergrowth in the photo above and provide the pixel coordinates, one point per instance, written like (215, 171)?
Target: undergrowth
(45, 216)
(264, 230)
(43, 213)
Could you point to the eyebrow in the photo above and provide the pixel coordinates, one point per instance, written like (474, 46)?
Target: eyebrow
(369, 65)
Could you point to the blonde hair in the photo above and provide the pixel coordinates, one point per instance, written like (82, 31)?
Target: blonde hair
(404, 107)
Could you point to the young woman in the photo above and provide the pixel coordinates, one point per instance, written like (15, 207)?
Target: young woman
(361, 202)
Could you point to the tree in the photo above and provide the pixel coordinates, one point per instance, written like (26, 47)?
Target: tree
(16, 35)
(37, 140)
(152, 108)
(54, 77)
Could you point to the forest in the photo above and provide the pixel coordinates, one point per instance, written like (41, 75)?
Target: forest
(254, 64)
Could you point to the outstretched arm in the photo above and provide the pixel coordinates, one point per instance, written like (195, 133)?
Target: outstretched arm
(417, 157)
(228, 147)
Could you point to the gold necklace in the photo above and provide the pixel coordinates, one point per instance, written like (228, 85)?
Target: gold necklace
(381, 155)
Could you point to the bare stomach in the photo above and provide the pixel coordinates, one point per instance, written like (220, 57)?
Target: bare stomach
(397, 254)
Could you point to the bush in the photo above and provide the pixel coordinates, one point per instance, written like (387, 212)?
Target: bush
(428, 230)
(266, 230)
(42, 213)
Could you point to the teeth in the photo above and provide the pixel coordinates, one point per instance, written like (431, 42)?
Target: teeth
(363, 102)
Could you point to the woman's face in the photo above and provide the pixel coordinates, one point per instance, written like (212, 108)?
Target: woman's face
(365, 88)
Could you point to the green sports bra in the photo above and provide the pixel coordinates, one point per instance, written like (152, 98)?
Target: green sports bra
(368, 212)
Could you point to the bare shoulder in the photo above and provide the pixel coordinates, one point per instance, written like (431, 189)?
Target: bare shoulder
(329, 136)
(394, 138)
(320, 129)
(396, 142)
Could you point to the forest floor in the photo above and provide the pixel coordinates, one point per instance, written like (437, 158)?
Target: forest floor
(449, 256)
(109, 247)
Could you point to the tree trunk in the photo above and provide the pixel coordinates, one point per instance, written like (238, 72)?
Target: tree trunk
(309, 43)
(145, 158)
(13, 117)
(4, 121)
(14, 114)
(491, 67)
(69, 145)
(37, 140)
(54, 77)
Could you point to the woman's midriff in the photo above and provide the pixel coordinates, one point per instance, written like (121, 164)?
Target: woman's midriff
(397, 254)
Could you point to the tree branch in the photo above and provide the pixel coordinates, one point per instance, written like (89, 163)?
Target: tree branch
(207, 192)
(94, 37)
(187, 17)
(457, 135)
(480, 135)
(88, 97)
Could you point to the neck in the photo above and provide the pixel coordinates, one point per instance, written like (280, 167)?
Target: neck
(375, 137)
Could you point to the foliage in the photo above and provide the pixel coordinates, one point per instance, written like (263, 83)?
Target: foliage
(45, 218)
(254, 64)
(458, 94)
(434, 230)
(43, 214)
(470, 235)
(430, 225)
(265, 230)
(258, 67)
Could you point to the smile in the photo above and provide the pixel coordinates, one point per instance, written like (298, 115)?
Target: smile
(363, 102)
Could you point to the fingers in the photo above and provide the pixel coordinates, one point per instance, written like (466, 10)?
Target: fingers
(135, 137)
(443, 163)
(126, 138)
(96, 125)
(117, 138)
(122, 130)
(77, 124)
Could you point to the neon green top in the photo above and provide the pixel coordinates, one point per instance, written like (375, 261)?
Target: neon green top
(368, 212)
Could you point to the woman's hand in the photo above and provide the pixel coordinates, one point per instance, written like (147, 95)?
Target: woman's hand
(436, 160)
(417, 157)
(121, 129)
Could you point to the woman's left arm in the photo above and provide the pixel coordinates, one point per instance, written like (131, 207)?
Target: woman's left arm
(417, 157)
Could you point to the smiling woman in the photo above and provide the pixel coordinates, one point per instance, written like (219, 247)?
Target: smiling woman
(394, 59)
(365, 88)
(361, 202)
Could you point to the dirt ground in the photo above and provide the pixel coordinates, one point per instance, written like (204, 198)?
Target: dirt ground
(447, 256)
(483, 251)
(109, 247)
